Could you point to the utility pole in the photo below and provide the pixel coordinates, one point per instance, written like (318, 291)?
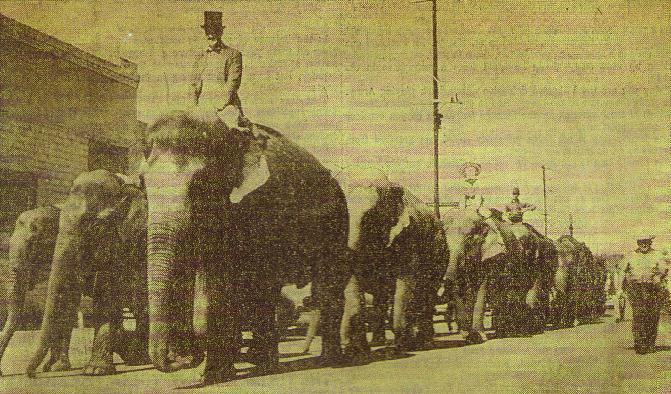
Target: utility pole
(437, 116)
(545, 202)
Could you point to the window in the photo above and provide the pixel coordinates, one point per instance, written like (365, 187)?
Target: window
(110, 157)
(18, 193)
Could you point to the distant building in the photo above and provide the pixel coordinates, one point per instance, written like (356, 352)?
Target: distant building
(62, 111)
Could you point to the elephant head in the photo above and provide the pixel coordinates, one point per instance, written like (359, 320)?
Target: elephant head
(31, 247)
(376, 208)
(472, 239)
(569, 256)
(190, 158)
(96, 198)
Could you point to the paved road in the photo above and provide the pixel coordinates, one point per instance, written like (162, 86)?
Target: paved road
(594, 358)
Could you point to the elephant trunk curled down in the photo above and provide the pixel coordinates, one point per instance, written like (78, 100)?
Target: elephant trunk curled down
(31, 249)
(252, 211)
(99, 247)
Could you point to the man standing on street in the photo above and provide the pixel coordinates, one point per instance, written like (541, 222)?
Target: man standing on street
(217, 78)
(645, 272)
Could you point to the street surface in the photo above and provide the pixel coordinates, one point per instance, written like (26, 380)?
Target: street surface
(595, 358)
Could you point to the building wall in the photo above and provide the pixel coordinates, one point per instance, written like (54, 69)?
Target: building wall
(50, 109)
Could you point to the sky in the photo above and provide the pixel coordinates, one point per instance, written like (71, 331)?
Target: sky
(582, 87)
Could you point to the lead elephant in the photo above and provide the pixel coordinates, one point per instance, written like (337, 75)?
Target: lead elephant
(251, 212)
(399, 252)
(490, 264)
(99, 251)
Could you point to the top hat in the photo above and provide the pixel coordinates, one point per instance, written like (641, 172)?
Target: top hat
(213, 21)
(645, 238)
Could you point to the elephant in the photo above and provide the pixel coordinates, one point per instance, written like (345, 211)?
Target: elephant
(591, 290)
(572, 281)
(547, 263)
(248, 211)
(490, 264)
(99, 251)
(398, 251)
(31, 249)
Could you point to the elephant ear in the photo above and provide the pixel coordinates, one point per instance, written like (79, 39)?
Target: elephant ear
(494, 243)
(403, 222)
(360, 200)
(255, 172)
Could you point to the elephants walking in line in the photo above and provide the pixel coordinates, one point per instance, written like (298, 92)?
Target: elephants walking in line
(399, 252)
(250, 212)
(98, 251)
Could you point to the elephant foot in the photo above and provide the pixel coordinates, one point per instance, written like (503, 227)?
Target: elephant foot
(425, 344)
(475, 337)
(59, 365)
(259, 357)
(356, 355)
(186, 362)
(268, 367)
(215, 376)
(135, 353)
(138, 359)
(99, 368)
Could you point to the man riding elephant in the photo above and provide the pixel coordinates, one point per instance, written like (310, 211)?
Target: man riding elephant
(217, 77)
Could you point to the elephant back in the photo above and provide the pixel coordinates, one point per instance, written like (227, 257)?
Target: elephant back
(297, 217)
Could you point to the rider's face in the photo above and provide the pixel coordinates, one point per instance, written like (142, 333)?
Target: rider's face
(212, 37)
(645, 246)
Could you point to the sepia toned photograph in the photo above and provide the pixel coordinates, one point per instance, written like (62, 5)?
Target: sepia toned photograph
(335, 196)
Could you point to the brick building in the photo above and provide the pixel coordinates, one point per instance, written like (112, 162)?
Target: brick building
(62, 111)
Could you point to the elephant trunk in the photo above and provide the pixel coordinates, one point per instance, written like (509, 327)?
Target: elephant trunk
(63, 293)
(161, 245)
(16, 288)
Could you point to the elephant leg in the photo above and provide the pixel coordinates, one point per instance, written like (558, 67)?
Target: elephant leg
(328, 285)
(264, 351)
(477, 328)
(189, 328)
(137, 342)
(222, 344)
(313, 326)
(353, 326)
(403, 295)
(108, 326)
(377, 319)
(12, 323)
(59, 359)
(424, 318)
